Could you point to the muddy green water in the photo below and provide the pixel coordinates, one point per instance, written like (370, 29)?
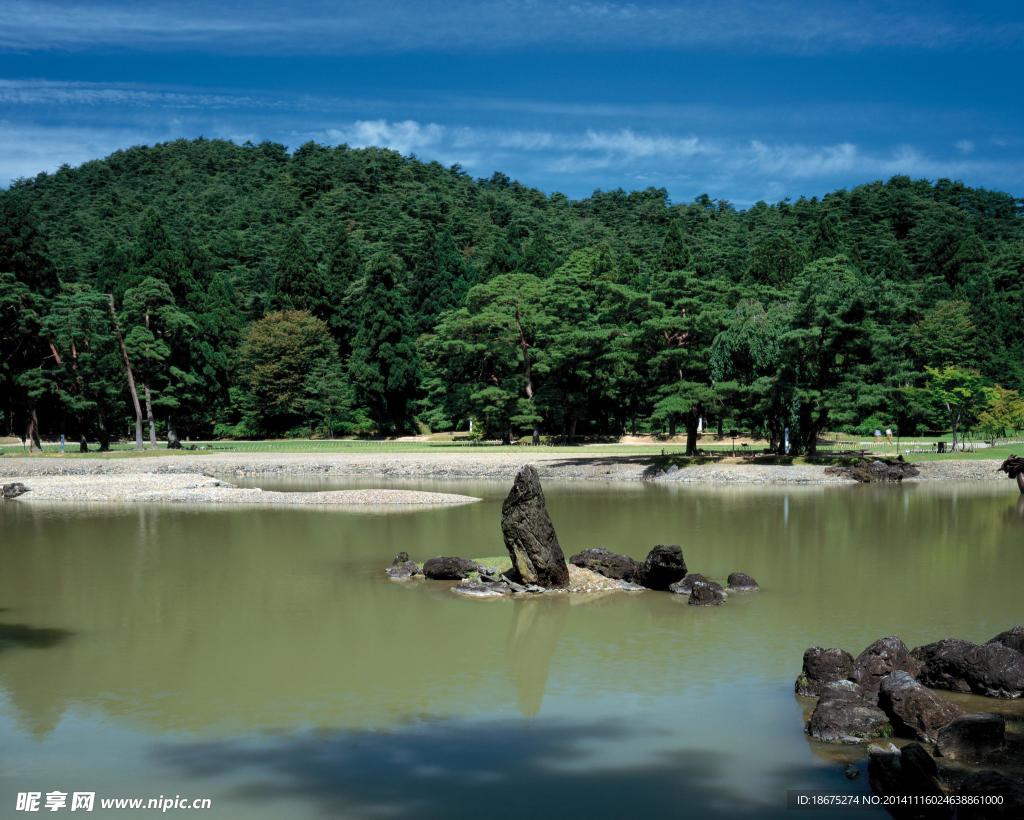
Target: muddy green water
(259, 657)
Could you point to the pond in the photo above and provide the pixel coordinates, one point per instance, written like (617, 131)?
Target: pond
(259, 657)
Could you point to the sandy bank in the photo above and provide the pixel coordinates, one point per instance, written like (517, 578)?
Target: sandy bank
(500, 464)
(191, 488)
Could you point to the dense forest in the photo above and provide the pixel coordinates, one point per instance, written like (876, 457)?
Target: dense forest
(203, 288)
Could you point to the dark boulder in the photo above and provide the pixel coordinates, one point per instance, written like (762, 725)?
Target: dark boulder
(843, 715)
(530, 537)
(1006, 794)
(706, 593)
(741, 582)
(13, 490)
(609, 564)
(822, 667)
(663, 566)
(686, 585)
(447, 568)
(991, 669)
(914, 710)
(884, 656)
(908, 772)
(1013, 638)
(402, 568)
(972, 737)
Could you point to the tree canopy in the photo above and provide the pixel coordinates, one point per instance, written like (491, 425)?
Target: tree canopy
(229, 289)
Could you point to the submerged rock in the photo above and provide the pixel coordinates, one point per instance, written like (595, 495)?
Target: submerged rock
(706, 593)
(844, 715)
(1008, 791)
(685, 586)
(991, 669)
(530, 537)
(448, 568)
(822, 667)
(972, 737)
(741, 582)
(402, 568)
(884, 656)
(13, 490)
(481, 589)
(663, 567)
(914, 710)
(609, 564)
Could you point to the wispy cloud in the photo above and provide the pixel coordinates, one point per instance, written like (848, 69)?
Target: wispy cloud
(585, 159)
(401, 25)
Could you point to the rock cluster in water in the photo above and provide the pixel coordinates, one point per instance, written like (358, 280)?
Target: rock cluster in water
(887, 691)
(874, 470)
(539, 565)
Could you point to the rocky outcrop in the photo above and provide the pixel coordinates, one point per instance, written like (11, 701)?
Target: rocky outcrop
(684, 586)
(530, 537)
(706, 593)
(971, 738)
(663, 567)
(402, 568)
(741, 582)
(609, 564)
(884, 656)
(844, 715)
(13, 490)
(991, 669)
(448, 568)
(822, 667)
(1013, 638)
(914, 710)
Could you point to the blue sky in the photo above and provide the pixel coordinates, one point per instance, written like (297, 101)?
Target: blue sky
(743, 100)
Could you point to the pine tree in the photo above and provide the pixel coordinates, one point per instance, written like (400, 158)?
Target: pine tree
(383, 365)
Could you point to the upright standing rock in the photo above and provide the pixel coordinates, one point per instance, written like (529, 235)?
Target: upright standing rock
(529, 534)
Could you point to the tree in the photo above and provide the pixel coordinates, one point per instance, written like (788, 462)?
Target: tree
(158, 328)
(961, 392)
(823, 348)
(277, 358)
(384, 366)
(1003, 413)
(492, 351)
(945, 335)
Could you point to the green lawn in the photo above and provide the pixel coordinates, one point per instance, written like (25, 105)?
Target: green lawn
(916, 449)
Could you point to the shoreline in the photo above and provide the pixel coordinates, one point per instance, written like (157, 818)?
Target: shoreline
(196, 489)
(502, 465)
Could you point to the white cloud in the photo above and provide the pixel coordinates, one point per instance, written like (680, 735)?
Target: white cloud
(574, 160)
(964, 146)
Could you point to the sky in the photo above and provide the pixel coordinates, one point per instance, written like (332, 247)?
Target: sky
(745, 101)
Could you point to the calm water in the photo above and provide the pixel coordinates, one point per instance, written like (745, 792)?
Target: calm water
(260, 658)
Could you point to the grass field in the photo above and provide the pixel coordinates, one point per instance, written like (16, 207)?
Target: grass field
(916, 449)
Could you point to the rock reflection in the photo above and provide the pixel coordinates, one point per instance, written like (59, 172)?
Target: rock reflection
(532, 639)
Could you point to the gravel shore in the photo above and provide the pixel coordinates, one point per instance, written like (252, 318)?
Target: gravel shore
(495, 464)
(195, 489)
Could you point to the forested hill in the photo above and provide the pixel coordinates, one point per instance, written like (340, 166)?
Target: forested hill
(336, 291)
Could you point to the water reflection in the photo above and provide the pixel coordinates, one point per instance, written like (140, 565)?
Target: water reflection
(532, 639)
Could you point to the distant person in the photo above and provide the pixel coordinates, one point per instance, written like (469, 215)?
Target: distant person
(878, 437)
(888, 435)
